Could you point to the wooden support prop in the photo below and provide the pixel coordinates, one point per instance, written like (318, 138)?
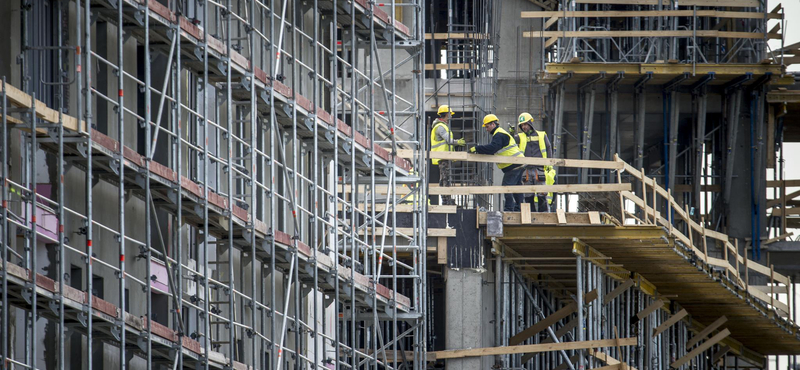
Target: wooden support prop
(560, 162)
(594, 217)
(525, 213)
(650, 309)
(617, 291)
(530, 348)
(550, 320)
(671, 321)
(602, 356)
(619, 349)
(441, 250)
(562, 217)
(706, 345)
(705, 332)
(722, 352)
(560, 333)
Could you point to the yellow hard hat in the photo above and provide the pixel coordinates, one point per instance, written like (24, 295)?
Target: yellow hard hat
(489, 119)
(444, 109)
(525, 117)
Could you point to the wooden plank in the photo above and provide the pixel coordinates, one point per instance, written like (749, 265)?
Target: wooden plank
(779, 289)
(562, 218)
(594, 217)
(646, 13)
(705, 332)
(617, 291)
(440, 67)
(543, 324)
(525, 213)
(650, 309)
(706, 345)
(572, 324)
(530, 348)
(559, 162)
(718, 355)
(568, 188)
(550, 41)
(441, 250)
(406, 208)
(18, 98)
(602, 356)
(787, 183)
(550, 320)
(790, 196)
(716, 3)
(410, 231)
(671, 321)
(607, 34)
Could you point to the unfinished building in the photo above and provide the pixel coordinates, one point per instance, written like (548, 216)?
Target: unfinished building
(243, 184)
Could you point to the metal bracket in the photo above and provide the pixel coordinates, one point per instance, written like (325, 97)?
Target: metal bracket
(53, 305)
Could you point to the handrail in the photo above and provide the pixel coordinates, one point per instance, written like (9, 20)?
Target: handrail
(732, 272)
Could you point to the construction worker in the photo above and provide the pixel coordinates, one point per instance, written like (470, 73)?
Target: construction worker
(442, 141)
(535, 144)
(503, 144)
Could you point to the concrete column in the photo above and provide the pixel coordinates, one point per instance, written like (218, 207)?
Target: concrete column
(463, 319)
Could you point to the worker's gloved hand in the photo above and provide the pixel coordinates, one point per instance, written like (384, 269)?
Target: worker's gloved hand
(472, 150)
(512, 130)
(461, 142)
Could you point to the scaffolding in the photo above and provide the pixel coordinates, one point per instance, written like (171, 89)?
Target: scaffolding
(198, 170)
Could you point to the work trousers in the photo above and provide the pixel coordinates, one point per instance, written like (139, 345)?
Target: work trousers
(441, 173)
(513, 201)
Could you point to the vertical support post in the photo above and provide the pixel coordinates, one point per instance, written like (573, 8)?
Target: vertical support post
(579, 298)
(641, 100)
(673, 136)
(699, 144)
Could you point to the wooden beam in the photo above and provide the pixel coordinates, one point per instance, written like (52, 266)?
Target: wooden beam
(550, 320)
(715, 3)
(617, 291)
(568, 188)
(646, 13)
(561, 332)
(525, 213)
(706, 345)
(441, 67)
(671, 321)
(722, 352)
(559, 162)
(530, 348)
(441, 250)
(705, 332)
(650, 309)
(607, 34)
(18, 98)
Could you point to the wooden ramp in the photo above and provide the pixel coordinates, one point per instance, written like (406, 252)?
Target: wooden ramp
(546, 250)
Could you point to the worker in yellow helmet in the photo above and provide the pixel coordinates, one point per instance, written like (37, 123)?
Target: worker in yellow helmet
(503, 144)
(535, 144)
(442, 140)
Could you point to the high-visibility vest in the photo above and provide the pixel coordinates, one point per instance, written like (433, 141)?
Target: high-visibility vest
(510, 150)
(540, 137)
(439, 145)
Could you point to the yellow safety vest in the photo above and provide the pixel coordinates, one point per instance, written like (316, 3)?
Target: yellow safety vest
(439, 145)
(524, 138)
(540, 136)
(510, 150)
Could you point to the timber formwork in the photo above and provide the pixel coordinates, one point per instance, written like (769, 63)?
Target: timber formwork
(216, 186)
